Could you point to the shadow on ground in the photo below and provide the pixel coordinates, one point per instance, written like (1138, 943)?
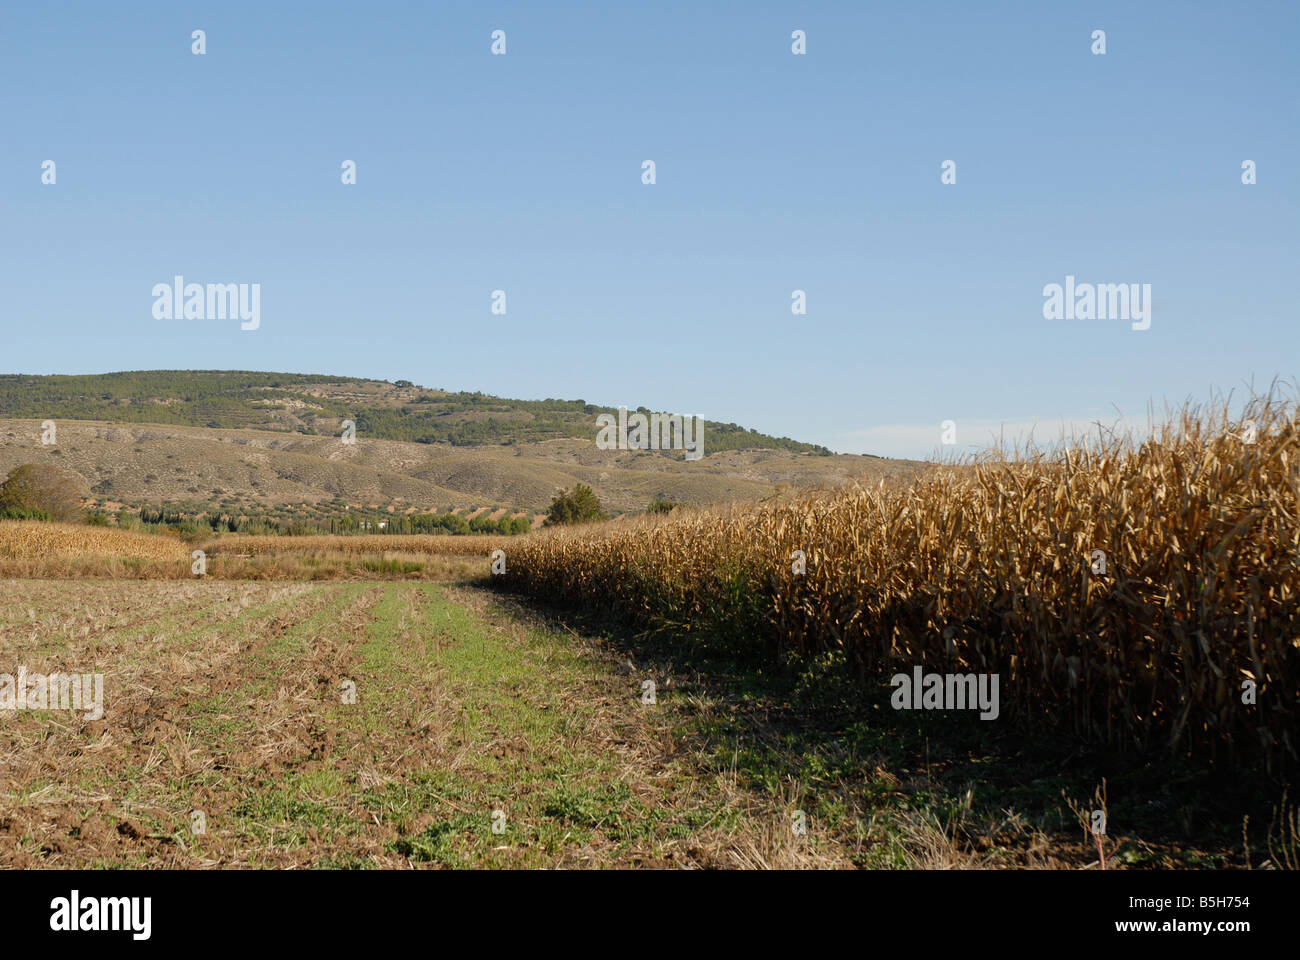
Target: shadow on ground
(937, 789)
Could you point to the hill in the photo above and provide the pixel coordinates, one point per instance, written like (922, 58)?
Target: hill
(317, 405)
(273, 440)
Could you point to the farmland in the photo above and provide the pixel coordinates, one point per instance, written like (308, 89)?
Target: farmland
(704, 688)
(227, 740)
(22, 540)
(1146, 595)
(223, 709)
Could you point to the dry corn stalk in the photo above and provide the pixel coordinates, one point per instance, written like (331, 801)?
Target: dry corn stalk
(994, 567)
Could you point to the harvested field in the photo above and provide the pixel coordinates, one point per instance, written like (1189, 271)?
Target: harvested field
(681, 696)
(227, 740)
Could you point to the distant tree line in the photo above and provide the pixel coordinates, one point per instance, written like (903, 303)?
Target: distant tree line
(344, 523)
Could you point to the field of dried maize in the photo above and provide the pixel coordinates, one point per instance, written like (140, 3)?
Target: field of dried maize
(426, 544)
(32, 549)
(30, 539)
(1130, 592)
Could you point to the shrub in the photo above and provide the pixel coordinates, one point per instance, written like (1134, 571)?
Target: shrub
(39, 492)
(580, 506)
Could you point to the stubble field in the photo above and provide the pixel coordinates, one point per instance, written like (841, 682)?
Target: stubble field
(483, 734)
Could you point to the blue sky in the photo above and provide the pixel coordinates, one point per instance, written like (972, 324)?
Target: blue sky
(775, 172)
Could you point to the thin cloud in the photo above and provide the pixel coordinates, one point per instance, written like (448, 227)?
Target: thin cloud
(922, 440)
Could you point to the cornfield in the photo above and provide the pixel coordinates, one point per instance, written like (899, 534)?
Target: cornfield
(32, 549)
(1132, 592)
(428, 544)
(31, 539)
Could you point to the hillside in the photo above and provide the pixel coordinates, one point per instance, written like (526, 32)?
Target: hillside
(317, 405)
(272, 440)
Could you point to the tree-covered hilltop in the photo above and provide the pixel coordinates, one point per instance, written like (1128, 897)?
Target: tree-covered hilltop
(317, 404)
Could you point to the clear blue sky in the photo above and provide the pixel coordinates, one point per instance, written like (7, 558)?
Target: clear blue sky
(775, 172)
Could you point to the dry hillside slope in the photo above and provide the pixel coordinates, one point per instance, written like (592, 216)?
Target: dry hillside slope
(152, 463)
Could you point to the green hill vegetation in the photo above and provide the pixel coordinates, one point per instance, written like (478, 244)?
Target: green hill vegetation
(314, 404)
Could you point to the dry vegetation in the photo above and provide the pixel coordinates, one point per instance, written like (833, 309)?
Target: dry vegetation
(223, 696)
(157, 464)
(414, 544)
(988, 570)
(224, 700)
(32, 549)
(379, 557)
(30, 539)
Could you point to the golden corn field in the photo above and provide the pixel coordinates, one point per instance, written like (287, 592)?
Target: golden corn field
(993, 568)
(430, 544)
(30, 539)
(37, 549)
